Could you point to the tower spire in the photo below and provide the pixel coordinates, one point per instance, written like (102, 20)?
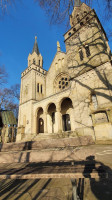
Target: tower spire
(35, 47)
(77, 3)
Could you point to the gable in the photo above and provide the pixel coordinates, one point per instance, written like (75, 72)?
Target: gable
(58, 66)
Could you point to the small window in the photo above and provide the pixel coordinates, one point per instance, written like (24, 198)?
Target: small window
(41, 89)
(81, 54)
(37, 87)
(87, 50)
(39, 62)
(69, 33)
(78, 19)
(85, 12)
(74, 29)
(34, 61)
(87, 18)
(81, 23)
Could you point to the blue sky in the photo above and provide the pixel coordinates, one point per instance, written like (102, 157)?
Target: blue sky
(18, 29)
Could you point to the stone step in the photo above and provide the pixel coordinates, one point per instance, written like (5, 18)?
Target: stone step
(47, 144)
(52, 170)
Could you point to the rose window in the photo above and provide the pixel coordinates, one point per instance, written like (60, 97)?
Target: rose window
(63, 83)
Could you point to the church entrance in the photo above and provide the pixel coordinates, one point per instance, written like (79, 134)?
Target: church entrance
(66, 111)
(66, 122)
(40, 121)
(41, 125)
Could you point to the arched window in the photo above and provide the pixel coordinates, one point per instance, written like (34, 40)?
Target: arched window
(87, 50)
(81, 23)
(34, 61)
(37, 87)
(81, 54)
(78, 18)
(85, 12)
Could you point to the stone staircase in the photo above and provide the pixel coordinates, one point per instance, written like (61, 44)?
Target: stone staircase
(50, 158)
(43, 150)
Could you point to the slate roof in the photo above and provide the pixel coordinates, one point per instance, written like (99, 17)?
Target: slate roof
(35, 47)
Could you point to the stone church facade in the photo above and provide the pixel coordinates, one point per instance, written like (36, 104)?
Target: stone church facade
(74, 97)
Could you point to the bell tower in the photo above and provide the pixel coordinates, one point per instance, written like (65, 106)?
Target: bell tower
(33, 80)
(86, 42)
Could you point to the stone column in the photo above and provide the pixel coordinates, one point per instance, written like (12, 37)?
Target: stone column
(58, 118)
(49, 123)
(45, 122)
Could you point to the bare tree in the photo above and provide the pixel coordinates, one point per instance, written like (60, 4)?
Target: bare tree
(9, 98)
(3, 75)
(59, 10)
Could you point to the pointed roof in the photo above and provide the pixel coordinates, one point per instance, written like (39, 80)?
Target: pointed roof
(35, 47)
(77, 3)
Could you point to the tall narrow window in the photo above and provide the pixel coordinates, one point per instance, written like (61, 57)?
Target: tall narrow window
(37, 87)
(87, 50)
(78, 18)
(81, 54)
(39, 62)
(34, 61)
(41, 89)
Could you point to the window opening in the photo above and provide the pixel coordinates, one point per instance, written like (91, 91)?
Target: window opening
(41, 89)
(85, 12)
(87, 18)
(66, 122)
(87, 50)
(81, 54)
(33, 61)
(37, 87)
(69, 33)
(74, 29)
(81, 23)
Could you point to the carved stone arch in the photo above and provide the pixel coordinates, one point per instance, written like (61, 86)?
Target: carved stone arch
(51, 118)
(39, 120)
(38, 110)
(66, 106)
(66, 97)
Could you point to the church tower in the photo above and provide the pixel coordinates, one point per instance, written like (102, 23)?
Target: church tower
(32, 86)
(86, 42)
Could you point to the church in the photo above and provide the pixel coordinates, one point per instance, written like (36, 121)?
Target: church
(74, 97)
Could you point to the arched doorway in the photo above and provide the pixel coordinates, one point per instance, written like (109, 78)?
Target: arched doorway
(41, 125)
(40, 121)
(66, 108)
(51, 117)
